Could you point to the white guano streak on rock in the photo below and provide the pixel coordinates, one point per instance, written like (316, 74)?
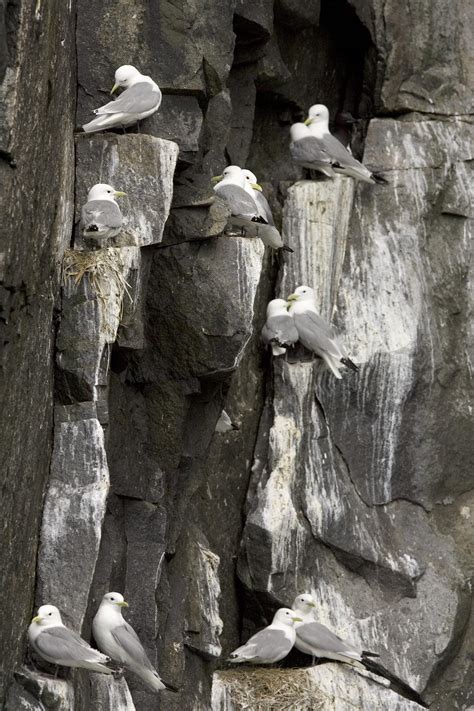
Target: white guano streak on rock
(111, 693)
(209, 592)
(249, 263)
(73, 514)
(315, 224)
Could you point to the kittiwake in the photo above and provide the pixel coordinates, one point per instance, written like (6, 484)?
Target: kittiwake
(234, 189)
(101, 216)
(224, 423)
(316, 639)
(306, 151)
(118, 639)
(340, 159)
(141, 98)
(59, 645)
(254, 189)
(279, 330)
(270, 644)
(314, 333)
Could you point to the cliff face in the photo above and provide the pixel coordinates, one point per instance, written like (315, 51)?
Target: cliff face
(359, 490)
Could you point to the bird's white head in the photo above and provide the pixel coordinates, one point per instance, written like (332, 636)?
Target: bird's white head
(102, 191)
(299, 131)
(251, 179)
(125, 77)
(232, 175)
(304, 603)
(318, 115)
(285, 616)
(276, 307)
(302, 293)
(113, 600)
(48, 616)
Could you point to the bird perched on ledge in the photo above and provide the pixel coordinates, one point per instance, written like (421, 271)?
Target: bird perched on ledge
(59, 645)
(101, 216)
(314, 333)
(279, 330)
(270, 644)
(335, 157)
(247, 214)
(314, 638)
(119, 640)
(141, 98)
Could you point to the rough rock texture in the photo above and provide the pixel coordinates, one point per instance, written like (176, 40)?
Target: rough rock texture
(38, 80)
(359, 490)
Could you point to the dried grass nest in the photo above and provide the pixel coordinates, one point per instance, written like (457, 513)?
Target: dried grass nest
(103, 267)
(273, 690)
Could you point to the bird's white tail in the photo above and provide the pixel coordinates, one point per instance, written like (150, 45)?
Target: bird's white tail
(151, 678)
(277, 351)
(100, 123)
(331, 364)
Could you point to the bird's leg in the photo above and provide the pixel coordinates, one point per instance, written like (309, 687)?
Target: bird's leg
(243, 231)
(56, 671)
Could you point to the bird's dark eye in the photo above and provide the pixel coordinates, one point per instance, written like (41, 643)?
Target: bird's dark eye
(50, 613)
(112, 598)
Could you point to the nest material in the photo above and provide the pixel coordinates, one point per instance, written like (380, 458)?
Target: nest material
(273, 690)
(104, 269)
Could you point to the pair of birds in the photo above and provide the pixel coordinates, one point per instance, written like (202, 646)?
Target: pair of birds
(296, 319)
(297, 627)
(249, 208)
(119, 642)
(314, 147)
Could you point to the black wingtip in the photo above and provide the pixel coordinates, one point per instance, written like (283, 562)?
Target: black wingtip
(349, 364)
(398, 685)
(285, 248)
(369, 654)
(78, 129)
(380, 179)
(170, 687)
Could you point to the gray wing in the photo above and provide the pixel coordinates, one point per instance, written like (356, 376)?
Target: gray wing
(101, 213)
(339, 153)
(62, 643)
(309, 150)
(128, 639)
(263, 207)
(267, 644)
(280, 329)
(135, 100)
(241, 204)
(320, 637)
(317, 335)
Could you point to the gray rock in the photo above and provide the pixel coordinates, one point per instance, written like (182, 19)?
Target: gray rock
(139, 165)
(73, 513)
(37, 210)
(109, 693)
(34, 691)
(298, 13)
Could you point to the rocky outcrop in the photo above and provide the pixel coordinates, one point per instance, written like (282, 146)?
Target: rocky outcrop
(358, 490)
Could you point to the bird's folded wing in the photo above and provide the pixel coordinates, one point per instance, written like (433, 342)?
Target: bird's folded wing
(127, 638)
(62, 643)
(281, 329)
(267, 644)
(102, 212)
(321, 638)
(339, 153)
(135, 100)
(240, 202)
(263, 208)
(309, 150)
(313, 330)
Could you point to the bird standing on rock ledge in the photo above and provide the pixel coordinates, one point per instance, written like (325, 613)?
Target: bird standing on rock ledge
(119, 640)
(271, 644)
(141, 98)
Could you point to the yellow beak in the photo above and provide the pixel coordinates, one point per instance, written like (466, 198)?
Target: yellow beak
(216, 178)
(297, 619)
(256, 186)
(36, 619)
(293, 297)
(308, 121)
(311, 604)
(114, 88)
(122, 604)
(119, 193)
